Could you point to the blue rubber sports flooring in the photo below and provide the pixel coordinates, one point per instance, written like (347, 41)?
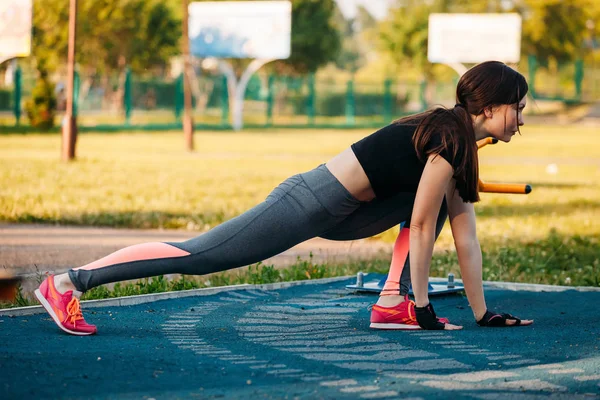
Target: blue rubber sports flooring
(306, 342)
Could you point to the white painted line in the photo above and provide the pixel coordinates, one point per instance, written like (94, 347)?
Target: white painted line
(263, 316)
(533, 384)
(333, 342)
(352, 350)
(585, 378)
(449, 342)
(476, 376)
(434, 337)
(342, 382)
(481, 353)
(419, 365)
(298, 310)
(248, 362)
(379, 395)
(299, 321)
(546, 366)
(359, 389)
(188, 341)
(521, 362)
(291, 375)
(306, 336)
(506, 357)
(380, 357)
(292, 329)
(253, 335)
(212, 352)
(566, 371)
(184, 316)
(312, 378)
(284, 371)
(176, 320)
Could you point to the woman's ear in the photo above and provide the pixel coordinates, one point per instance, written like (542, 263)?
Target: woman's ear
(488, 112)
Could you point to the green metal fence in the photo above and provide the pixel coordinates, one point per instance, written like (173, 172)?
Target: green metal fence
(127, 101)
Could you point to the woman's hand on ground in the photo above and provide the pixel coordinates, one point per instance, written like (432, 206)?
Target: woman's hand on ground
(493, 319)
(450, 327)
(524, 322)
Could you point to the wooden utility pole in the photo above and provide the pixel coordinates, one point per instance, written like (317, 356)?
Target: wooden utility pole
(69, 126)
(188, 121)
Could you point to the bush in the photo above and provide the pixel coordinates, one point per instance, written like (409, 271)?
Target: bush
(334, 104)
(41, 108)
(6, 99)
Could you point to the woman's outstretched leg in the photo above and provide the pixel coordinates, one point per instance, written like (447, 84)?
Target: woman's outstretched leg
(300, 208)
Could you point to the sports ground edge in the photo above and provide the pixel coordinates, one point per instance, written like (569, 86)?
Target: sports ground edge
(148, 298)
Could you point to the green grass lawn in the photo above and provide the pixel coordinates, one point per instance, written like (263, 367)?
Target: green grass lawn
(148, 180)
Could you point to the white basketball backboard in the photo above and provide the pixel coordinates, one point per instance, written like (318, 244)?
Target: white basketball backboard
(474, 38)
(240, 29)
(15, 28)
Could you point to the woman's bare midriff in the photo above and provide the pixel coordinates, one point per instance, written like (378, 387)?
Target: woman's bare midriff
(346, 168)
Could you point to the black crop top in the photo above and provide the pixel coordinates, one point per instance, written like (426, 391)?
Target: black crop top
(390, 160)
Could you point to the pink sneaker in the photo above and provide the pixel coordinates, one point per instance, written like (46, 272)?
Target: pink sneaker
(63, 308)
(400, 317)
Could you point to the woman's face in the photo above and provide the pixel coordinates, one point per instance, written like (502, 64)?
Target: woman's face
(503, 121)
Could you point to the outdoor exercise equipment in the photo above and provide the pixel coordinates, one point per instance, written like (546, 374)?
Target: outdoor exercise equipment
(449, 286)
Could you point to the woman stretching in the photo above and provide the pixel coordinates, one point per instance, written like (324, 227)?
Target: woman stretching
(420, 169)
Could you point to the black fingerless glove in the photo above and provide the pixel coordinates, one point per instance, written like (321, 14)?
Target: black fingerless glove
(427, 319)
(496, 320)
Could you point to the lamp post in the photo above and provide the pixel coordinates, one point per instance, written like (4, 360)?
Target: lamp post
(69, 126)
(188, 121)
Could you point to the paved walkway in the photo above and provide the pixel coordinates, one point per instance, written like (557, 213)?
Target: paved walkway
(30, 250)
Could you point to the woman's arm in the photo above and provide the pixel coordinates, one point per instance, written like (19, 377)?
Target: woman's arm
(468, 250)
(430, 194)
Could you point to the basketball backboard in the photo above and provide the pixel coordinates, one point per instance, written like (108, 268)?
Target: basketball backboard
(15, 28)
(474, 38)
(240, 29)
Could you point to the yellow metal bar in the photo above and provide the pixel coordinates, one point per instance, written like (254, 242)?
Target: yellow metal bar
(516, 188)
(484, 142)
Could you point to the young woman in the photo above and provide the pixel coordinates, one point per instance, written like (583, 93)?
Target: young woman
(419, 169)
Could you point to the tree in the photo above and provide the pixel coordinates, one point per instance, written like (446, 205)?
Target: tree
(315, 39)
(143, 34)
(554, 29)
(354, 32)
(404, 34)
(111, 35)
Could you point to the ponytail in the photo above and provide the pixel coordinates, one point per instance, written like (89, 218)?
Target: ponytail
(449, 132)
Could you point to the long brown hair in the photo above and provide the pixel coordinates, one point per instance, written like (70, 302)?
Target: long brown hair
(488, 84)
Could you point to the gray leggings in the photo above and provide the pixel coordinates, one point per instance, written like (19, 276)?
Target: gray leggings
(304, 206)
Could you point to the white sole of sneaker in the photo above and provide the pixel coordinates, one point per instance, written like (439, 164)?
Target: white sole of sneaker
(50, 311)
(397, 327)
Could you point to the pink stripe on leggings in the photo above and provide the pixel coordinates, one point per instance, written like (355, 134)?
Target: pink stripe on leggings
(138, 252)
(401, 247)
